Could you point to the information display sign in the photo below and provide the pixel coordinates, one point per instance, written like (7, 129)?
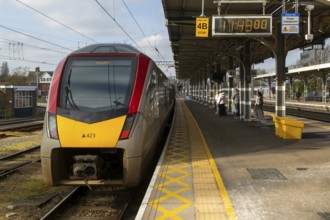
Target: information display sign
(245, 25)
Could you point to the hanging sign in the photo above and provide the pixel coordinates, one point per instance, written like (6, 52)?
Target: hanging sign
(290, 23)
(202, 27)
(241, 25)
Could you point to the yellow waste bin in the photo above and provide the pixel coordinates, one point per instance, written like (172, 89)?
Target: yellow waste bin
(292, 129)
(278, 125)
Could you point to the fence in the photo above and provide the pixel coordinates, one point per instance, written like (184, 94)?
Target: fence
(5, 113)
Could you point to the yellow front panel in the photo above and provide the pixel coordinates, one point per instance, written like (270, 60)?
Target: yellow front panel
(78, 134)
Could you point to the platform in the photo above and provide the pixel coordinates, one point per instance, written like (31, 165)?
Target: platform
(224, 168)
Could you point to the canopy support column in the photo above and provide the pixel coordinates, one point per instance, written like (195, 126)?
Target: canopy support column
(280, 72)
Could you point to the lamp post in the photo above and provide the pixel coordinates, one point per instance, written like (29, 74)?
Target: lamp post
(37, 80)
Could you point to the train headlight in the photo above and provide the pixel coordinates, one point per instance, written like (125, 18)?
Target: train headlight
(52, 127)
(127, 127)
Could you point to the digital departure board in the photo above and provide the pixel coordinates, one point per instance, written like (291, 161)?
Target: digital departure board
(229, 25)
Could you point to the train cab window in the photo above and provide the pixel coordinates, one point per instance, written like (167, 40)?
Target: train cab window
(97, 84)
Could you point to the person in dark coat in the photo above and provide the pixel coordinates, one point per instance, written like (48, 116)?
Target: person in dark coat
(222, 104)
(298, 95)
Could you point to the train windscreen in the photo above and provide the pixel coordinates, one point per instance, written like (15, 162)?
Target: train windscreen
(93, 84)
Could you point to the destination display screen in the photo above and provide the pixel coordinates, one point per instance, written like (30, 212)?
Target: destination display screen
(228, 25)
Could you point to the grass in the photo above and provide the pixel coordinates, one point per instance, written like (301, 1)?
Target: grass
(32, 187)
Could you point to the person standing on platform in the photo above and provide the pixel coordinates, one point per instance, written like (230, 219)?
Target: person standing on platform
(216, 97)
(236, 102)
(261, 103)
(298, 95)
(258, 111)
(222, 103)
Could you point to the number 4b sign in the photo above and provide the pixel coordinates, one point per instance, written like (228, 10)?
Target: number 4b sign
(202, 27)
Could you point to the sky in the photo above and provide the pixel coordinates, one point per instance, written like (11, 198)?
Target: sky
(40, 33)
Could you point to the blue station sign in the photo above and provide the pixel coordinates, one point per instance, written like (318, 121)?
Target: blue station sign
(290, 23)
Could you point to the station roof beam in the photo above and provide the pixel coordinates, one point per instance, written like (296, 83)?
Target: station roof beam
(192, 55)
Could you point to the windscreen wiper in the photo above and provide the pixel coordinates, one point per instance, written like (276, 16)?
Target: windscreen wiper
(118, 103)
(69, 98)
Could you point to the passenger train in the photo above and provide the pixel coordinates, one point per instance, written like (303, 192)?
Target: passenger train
(107, 106)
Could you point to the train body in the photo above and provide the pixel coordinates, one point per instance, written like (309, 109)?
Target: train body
(107, 106)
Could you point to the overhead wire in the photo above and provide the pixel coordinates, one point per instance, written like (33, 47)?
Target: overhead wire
(26, 60)
(35, 37)
(127, 34)
(57, 21)
(48, 42)
(42, 48)
(31, 36)
(154, 48)
(4, 40)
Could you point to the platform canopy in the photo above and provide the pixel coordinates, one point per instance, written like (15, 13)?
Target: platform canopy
(236, 22)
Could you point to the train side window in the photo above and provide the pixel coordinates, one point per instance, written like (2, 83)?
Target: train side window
(153, 79)
(152, 83)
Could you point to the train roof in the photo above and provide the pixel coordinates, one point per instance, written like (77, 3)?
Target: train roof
(108, 48)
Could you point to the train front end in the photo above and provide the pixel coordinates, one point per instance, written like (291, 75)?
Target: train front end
(92, 107)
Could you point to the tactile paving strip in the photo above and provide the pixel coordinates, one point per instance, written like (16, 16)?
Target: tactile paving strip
(208, 203)
(172, 196)
(185, 187)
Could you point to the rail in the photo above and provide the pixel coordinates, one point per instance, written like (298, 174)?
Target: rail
(304, 113)
(100, 203)
(12, 163)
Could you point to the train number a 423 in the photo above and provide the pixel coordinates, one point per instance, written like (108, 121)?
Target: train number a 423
(88, 135)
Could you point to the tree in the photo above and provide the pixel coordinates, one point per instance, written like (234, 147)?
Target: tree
(261, 71)
(18, 77)
(298, 85)
(31, 79)
(313, 84)
(322, 56)
(4, 71)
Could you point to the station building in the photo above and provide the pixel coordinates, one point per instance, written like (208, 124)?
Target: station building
(17, 101)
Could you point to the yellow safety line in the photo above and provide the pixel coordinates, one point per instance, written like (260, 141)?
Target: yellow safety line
(223, 192)
(175, 164)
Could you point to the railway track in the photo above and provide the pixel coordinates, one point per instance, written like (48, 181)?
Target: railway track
(303, 113)
(11, 163)
(105, 202)
(19, 120)
(24, 125)
(30, 127)
(100, 203)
